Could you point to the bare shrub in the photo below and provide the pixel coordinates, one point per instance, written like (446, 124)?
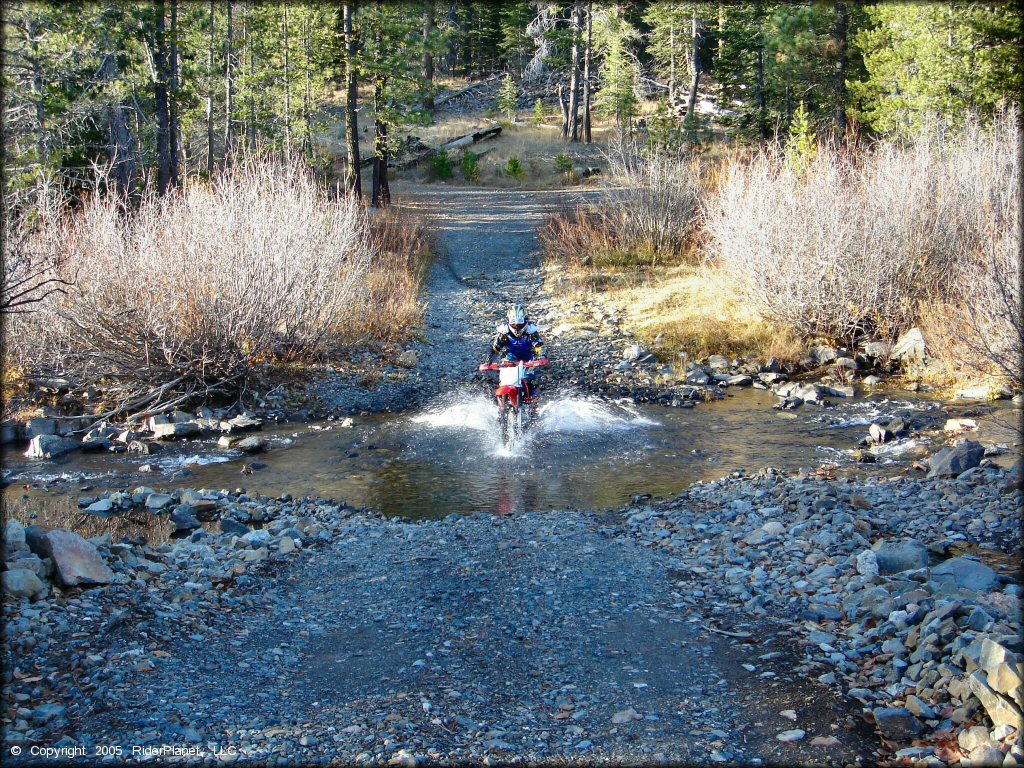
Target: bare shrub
(184, 295)
(388, 304)
(651, 198)
(846, 244)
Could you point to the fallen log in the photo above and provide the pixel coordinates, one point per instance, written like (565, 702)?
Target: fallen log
(462, 141)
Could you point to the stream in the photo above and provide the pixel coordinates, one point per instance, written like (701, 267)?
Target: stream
(582, 452)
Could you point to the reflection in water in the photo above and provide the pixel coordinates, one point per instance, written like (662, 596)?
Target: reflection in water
(581, 452)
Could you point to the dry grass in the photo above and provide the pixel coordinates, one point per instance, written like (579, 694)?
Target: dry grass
(695, 310)
(389, 306)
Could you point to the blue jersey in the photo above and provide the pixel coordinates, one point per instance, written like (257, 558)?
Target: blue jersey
(526, 346)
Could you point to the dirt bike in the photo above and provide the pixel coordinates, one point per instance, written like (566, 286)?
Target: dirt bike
(514, 396)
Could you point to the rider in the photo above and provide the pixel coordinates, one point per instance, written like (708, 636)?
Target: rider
(518, 339)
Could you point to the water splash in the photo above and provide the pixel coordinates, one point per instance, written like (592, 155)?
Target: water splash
(475, 411)
(579, 415)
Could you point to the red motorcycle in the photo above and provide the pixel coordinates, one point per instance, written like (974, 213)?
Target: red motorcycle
(514, 395)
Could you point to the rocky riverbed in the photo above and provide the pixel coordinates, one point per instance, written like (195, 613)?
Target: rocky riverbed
(304, 628)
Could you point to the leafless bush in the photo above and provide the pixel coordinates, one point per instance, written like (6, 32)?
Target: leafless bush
(984, 315)
(185, 294)
(651, 199)
(843, 243)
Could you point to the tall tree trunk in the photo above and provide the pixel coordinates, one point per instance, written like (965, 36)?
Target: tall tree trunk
(229, 85)
(250, 133)
(574, 81)
(307, 97)
(586, 72)
(428, 56)
(841, 33)
(172, 99)
(353, 176)
(209, 99)
(565, 111)
(691, 100)
(452, 55)
(163, 112)
(762, 105)
(287, 81)
(671, 54)
(381, 196)
(120, 147)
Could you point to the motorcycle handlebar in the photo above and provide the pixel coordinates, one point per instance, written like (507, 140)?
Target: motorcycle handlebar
(508, 364)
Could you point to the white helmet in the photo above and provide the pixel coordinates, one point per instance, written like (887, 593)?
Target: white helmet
(516, 319)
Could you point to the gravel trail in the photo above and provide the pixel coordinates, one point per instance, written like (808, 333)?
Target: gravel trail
(543, 637)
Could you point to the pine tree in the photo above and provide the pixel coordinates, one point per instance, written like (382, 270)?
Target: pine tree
(508, 98)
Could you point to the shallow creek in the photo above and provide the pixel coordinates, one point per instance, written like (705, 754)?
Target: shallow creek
(580, 453)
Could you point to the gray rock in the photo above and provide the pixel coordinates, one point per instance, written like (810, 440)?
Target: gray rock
(47, 712)
(101, 508)
(739, 380)
(897, 555)
(967, 574)
(719, 362)
(824, 355)
(896, 724)
(955, 459)
(242, 423)
(158, 501)
(76, 560)
(987, 757)
(21, 582)
(1001, 710)
(40, 567)
(49, 446)
(846, 362)
(920, 708)
(39, 426)
(697, 378)
(879, 434)
(251, 444)
(14, 537)
(974, 737)
(878, 349)
(910, 347)
(174, 430)
(183, 518)
(867, 564)
(230, 526)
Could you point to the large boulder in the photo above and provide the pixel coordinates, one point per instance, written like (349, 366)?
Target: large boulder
(956, 459)
(14, 538)
(895, 556)
(183, 518)
(910, 347)
(175, 430)
(21, 582)
(76, 560)
(49, 446)
(967, 573)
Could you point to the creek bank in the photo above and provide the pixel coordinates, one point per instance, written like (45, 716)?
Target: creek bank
(928, 643)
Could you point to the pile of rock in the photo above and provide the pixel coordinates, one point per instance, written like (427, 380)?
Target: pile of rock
(57, 583)
(51, 436)
(929, 643)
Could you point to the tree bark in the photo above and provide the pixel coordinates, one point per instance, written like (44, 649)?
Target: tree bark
(574, 81)
(172, 99)
(287, 83)
(428, 56)
(586, 73)
(163, 114)
(121, 150)
(691, 100)
(381, 196)
(307, 97)
(353, 176)
(841, 33)
(229, 84)
(209, 99)
(762, 107)
(565, 111)
(250, 131)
